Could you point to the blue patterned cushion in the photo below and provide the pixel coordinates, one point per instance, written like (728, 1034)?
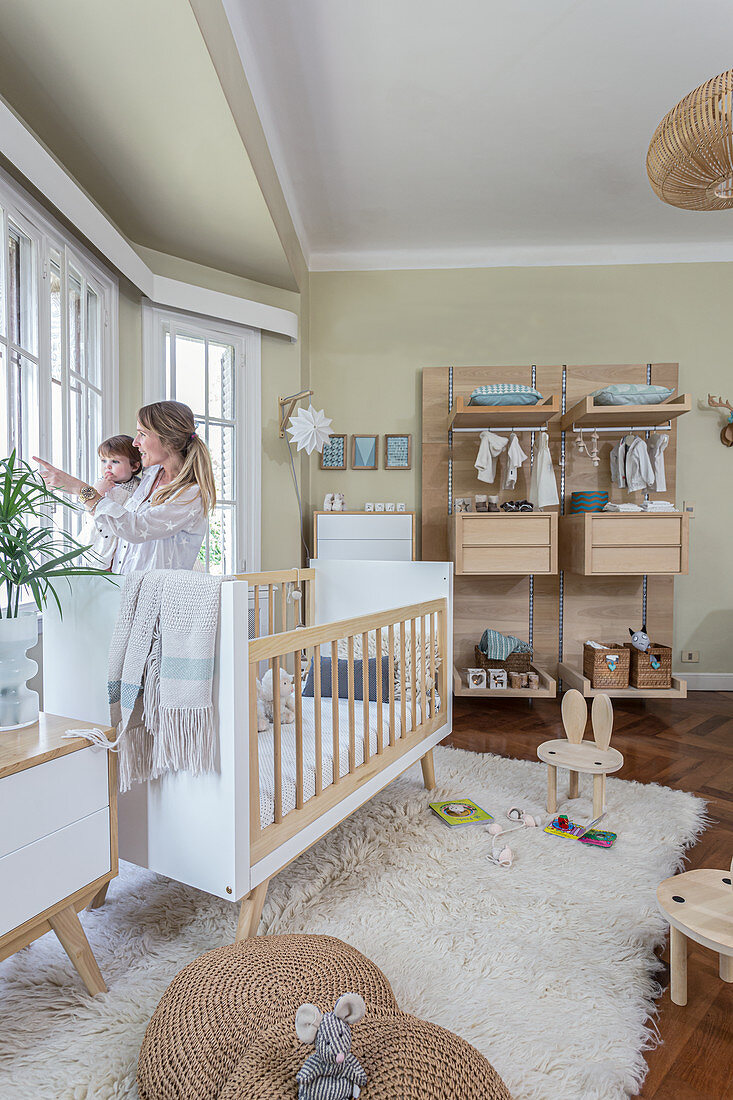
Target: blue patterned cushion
(505, 393)
(343, 680)
(630, 393)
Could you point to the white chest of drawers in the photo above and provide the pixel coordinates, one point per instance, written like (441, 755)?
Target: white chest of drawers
(364, 536)
(58, 837)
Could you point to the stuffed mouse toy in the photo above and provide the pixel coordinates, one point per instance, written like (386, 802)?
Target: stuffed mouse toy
(265, 700)
(332, 1072)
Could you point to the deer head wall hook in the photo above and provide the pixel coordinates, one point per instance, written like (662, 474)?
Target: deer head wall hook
(726, 432)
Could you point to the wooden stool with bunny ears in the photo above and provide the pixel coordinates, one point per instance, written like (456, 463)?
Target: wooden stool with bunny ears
(592, 757)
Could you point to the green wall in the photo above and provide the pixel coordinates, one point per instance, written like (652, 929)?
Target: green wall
(372, 333)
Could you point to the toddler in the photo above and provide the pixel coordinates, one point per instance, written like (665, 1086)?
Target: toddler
(121, 464)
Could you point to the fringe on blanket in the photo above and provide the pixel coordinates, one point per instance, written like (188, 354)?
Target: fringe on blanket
(185, 740)
(135, 759)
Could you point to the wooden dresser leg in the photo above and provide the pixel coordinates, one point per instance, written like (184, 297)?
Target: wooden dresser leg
(726, 968)
(573, 785)
(250, 912)
(100, 897)
(428, 770)
(551, 789)
(678, 966)
(67, 927)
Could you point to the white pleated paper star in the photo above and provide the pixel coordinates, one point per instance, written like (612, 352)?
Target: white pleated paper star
(310, 429)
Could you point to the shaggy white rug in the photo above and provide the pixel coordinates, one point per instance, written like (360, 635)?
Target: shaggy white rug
(547, 967)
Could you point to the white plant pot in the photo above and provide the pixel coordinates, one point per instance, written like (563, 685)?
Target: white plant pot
(18, 704)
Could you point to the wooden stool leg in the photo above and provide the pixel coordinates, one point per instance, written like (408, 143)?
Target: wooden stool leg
(551, 789)
(573, 785)
(678, 966)
(428, 770)
(250, 912)
(599, 795)
(100, 897)
(67, 927)
(726, 968)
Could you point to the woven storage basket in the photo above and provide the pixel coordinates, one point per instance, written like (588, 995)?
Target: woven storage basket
(595, 666)
(642, 674)
(515, 662)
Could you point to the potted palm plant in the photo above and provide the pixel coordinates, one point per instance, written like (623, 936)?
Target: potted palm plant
(35, 553)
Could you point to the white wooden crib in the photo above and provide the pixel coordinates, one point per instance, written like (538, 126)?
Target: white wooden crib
(274, 793)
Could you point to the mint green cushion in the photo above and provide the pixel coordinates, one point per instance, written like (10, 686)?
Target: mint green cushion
(505, 393)
(630, 393)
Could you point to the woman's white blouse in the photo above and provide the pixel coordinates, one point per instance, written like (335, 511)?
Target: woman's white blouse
(152, 536)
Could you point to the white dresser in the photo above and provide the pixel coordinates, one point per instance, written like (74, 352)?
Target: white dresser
(364, 536)
(58, 837)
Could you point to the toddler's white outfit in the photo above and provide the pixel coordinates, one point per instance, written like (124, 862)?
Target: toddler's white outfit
(103, 542)
(511, 460)
(490, 448)
(542, 484)
(656, 446)
(618, 463)
(639, 470)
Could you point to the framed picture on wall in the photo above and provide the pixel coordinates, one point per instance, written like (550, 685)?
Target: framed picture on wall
(364, 452)
(333, 455)
(398, 452)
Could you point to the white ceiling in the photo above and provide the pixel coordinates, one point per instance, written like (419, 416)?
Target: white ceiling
(410, 133)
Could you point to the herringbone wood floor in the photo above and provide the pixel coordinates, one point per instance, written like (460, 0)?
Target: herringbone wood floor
(686, 744)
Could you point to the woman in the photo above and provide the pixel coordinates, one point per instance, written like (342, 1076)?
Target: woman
(163, 523)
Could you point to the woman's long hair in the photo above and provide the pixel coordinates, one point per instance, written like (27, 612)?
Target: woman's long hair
(173, 422)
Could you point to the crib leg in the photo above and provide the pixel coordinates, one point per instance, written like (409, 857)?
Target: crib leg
(250, 912)
(428, 770)
(100, 897)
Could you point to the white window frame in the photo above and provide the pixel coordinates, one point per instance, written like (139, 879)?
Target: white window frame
(248, 391)
(48, 236)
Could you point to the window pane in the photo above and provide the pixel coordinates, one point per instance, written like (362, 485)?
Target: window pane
(55, 289)
(221, 445)
(75, 360)
(21, 290)
(190, 373)
(221, 541)
(94, 421)
(221, 381)
(2, 286)
(76, 428)
(5, 407)
(57, 425)
(94, 329)
(24, 387)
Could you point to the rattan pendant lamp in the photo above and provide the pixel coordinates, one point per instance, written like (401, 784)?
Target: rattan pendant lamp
(690, 158)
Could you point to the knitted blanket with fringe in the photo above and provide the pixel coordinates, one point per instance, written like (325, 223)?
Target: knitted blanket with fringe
(161, 667)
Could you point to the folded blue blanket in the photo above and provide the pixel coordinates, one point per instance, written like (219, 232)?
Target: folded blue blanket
(498, 646)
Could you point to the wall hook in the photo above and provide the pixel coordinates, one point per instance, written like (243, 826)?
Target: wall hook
(726, 432)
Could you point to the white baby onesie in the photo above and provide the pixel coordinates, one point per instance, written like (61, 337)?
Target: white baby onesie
(511, 460)
(491, 446)
(657, 445)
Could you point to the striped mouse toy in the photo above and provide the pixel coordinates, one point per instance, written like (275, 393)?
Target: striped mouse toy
(332, 1072)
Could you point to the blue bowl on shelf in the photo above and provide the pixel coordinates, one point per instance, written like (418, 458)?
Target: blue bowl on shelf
(588, 500)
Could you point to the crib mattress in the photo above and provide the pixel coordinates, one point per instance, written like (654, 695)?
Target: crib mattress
(287, 751)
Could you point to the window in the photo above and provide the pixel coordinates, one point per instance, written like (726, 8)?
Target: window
(215, 369)
(58, 369)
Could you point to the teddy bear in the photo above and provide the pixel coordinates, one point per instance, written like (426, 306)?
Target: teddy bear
(265, 697)
(332, 1072)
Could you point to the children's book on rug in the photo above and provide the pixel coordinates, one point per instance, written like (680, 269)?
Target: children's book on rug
(562, 826)
(460, 811)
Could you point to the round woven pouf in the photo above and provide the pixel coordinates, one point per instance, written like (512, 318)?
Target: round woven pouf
(220, 1004)
(404, 1058)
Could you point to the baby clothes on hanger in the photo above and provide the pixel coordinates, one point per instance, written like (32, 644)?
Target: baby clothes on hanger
(542, 483)
(490, 447)
(656, 446)
(639, 469)
(511, 460)
(618, 464)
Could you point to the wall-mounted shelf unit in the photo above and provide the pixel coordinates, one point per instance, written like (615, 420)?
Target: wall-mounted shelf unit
(481, 417)
(546, 690)
(572, 677)
(512, 543)
(622, 543)
(587, 415)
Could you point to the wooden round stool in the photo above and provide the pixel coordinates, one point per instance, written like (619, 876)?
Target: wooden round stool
(699, 906)
(590, 757)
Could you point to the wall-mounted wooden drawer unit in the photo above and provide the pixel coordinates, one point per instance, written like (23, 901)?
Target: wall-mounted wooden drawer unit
(617, 543)
(503, 542)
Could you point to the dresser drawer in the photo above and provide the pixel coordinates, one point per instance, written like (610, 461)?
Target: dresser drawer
(41, 874)
(364, 525)
(637, 530)
(509, 543)
(506, 559)
(503, 530)
(618, 543)
(636, 559)
(50, 796)
(370, 550)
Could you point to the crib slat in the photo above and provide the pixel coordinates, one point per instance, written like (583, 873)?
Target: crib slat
(365, 691)
(254, 763)
(335, 710)
(352, 716)
(413, 673)
(284, 607)
(390, 648)
(257, 611)
(298, 733)
(403, 681)
(423, 666)
(432, 666)
(270, 609)
(277, 743)
(317, 716)
(380, 700)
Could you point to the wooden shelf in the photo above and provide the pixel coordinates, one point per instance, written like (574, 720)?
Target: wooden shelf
(546, 690)
(503, 416)
(587, 415)
(572, 677)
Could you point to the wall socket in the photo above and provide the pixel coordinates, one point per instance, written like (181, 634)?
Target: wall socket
(690, 656)
(689, 507)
